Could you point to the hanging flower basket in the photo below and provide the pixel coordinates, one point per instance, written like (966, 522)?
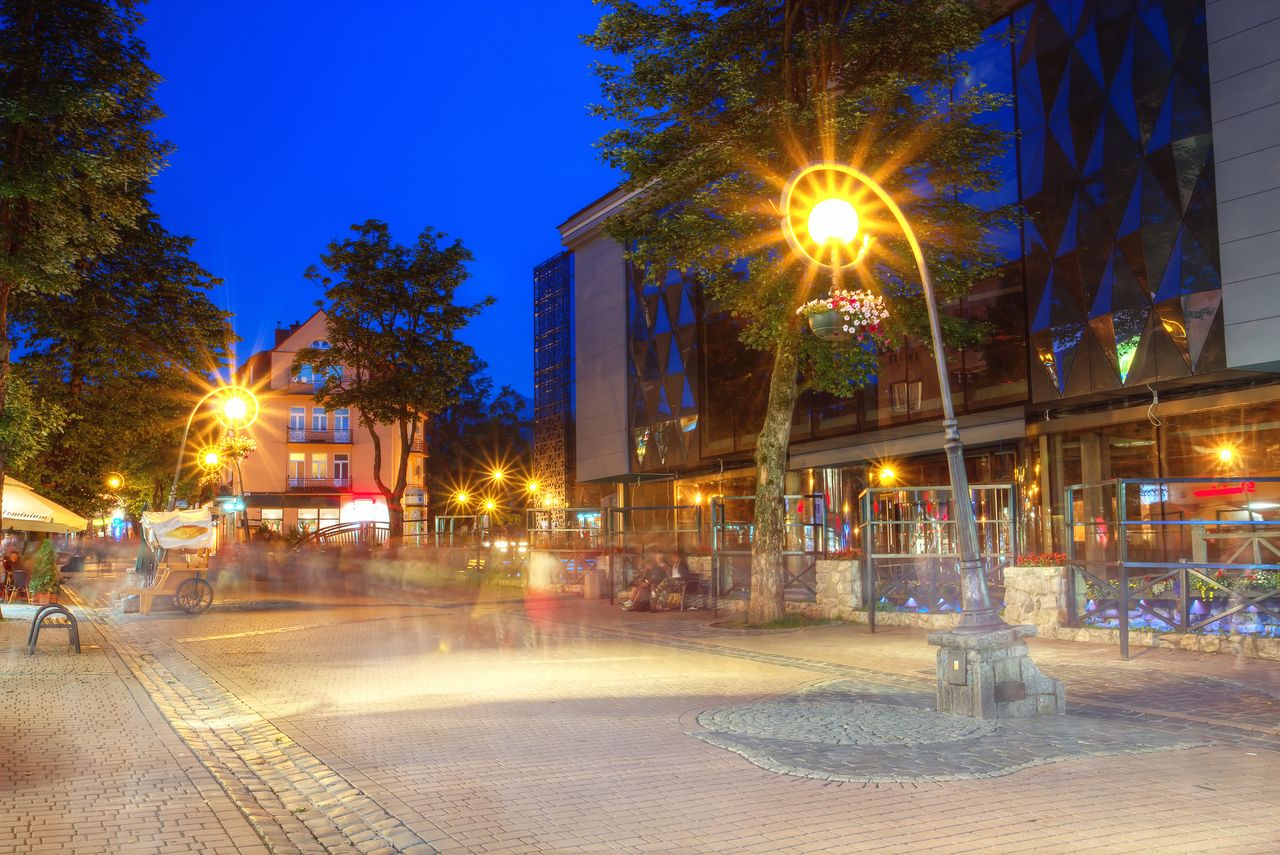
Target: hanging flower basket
(845, 315)
(830, 326)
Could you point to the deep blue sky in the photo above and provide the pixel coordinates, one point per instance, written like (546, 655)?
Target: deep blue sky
(294, 119)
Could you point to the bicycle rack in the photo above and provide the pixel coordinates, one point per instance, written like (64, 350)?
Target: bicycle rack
(48, 611)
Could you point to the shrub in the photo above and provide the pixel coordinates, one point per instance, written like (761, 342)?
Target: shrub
(44, 571)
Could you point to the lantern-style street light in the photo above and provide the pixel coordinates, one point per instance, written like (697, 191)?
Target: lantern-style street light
(821, 224)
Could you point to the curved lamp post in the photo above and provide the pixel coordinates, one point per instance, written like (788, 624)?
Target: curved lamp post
(825, 235)
(238, 408)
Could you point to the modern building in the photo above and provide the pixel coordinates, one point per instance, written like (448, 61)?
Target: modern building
(313, 467)
(1136, 320)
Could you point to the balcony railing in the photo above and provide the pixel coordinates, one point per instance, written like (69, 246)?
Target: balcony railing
(318, 485)
(305, 435)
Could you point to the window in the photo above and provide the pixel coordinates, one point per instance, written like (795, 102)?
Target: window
(319, 419)
(906, 397)
(328, 516)
(320, 344)
(297, 423)
(342, 425)
(297, 466)
(273, 518)
(307, 519)
(341, 468)
(319, 466)
(304, 374)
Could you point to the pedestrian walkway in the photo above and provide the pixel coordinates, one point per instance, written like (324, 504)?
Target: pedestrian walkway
(484, 724)
(88, 764)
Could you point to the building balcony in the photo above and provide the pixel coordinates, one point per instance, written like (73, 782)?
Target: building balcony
(318, 485)
(415, 447)
(305, 435)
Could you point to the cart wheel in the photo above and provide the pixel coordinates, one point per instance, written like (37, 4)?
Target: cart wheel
(193, 596)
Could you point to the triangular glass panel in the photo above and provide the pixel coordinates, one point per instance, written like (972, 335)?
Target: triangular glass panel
(1160, 223)
(1068, 281)
(662, 347)
(1067, 242)
(686, 340)
(1086, 108)
(649, 303)
(1143, 365)
(1190, 117)
(1151, 72)
(1171, 280)
(1213, 354)
(1123, 159)
(1043, 318)
(642, 444)
(1087, 50)
(1169, 314)
(687, 315)
(1031, 147)
(1093, 159)
(1200, 311)
(662, 323)
(652, 390)
(674, 362)
(1060, 121)
(673, 385)
(1102, 300)
(1201, 216)
(1042, 343)
(1152, 15)
(1198, 274)
(1105, 333)
(1120, 94)
(1130, 247)
(1095, 247)
(671, 299)
(651, 370)
(664, 406)
(687, 401)
(1162, 131)
(1131, 221)
(1053, 49)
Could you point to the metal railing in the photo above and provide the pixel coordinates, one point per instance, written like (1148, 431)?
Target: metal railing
(910, 546)
(347, 534)
(733, 528)
(1175, 555)
(317, 485)
(308, 435)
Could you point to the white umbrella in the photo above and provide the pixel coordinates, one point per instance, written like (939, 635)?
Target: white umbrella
(27, 510)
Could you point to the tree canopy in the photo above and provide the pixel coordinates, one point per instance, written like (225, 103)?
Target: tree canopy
(76, 109)
(394, 358)
(122, 356)
(717, 103)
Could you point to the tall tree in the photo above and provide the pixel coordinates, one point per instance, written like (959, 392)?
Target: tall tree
(122, 355)
(394, 357)
(717, 102)
(481, 432)
(76, 105)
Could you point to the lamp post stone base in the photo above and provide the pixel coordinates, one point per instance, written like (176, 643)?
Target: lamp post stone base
(988, 674)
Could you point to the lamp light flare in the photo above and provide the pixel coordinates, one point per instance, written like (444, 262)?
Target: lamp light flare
(115, 482)
(461, 497)
(887, 475)
(235, 408)
(1226, 454)
(533, 487)
(490, 504)
(498, 475)
(833, 219)
(210, 459)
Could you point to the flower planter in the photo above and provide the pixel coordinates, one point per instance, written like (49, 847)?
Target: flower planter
(829, 326)
(43, 598)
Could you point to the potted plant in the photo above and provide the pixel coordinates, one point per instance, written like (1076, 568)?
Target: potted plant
(45, 584)
(845, 315)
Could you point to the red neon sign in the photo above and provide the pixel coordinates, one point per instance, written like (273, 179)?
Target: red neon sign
(1243, 487)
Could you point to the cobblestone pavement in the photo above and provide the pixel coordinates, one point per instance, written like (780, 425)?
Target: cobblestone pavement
(88, 765)
(560, 726)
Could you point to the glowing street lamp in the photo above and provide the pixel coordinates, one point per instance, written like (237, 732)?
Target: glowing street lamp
(236, 408)
(498, 475)
(115, 481)
(461, 498)
(490, 505)
(210, 459)
(821, 224)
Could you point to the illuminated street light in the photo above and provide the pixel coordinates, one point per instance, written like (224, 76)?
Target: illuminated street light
(237, 409)
(115, 481)
(461, 497)
(820, 223)
(490, 504)
(532, 487)
(498, 475)
(210, 459)
(887, 476)
(1226, 455)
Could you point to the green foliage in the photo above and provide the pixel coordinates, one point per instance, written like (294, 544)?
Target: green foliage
(466, 442)
(122, 355)
(76, 109)
(28, 423)
(718, 103)
(394, 358)
(44, 570)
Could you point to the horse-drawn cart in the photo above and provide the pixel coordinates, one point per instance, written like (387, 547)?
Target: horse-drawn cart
(170, 537)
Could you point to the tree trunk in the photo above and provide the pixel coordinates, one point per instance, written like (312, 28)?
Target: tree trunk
(769, 540)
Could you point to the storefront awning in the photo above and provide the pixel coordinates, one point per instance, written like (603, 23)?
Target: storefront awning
(27, 510)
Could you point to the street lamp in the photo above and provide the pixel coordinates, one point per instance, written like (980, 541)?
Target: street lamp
(114, 481)
(237, 408)
(821, 225)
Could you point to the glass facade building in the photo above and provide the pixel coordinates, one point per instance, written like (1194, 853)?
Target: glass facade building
(1110, 353)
